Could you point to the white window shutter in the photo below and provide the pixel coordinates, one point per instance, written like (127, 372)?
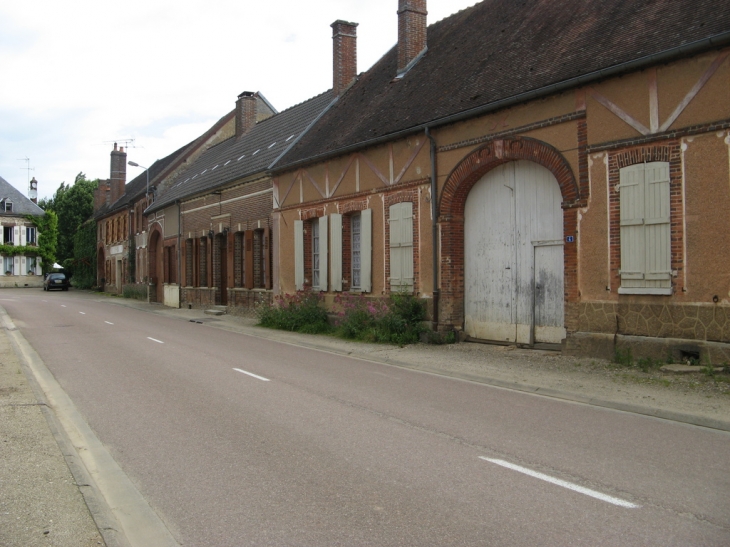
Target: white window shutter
(633, 250)
(22, 235)
(336, 248)
(299, 254)
(396, 276)
(366, 249)
(657, 225)
(16, 235)
(38, 269)
(22, 270)
(406, 243)
(16, 265)
(323, 254)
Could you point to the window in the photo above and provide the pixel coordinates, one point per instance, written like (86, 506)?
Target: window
(8, 235)
(8, 265)
(356, 263)
(31, 264)
(401, 246)
(316, 248)
(645, 229)
(8, 206)
(315, 255)
(30, 236)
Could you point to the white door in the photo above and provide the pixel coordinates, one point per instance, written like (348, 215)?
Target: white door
(513, 256)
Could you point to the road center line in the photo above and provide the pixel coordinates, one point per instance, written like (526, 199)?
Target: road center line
(82, 312)
(155, 340)
(63, 305)
(564, 484)
(252, 374)
(108, 323)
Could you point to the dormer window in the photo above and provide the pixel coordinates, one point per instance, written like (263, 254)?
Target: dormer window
(7, 206)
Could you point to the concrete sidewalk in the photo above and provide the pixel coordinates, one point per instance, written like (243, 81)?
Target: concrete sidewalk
(40, 499)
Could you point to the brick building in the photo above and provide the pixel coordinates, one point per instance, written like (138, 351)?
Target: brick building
(222, 210)
(122, 228)
(541, 173)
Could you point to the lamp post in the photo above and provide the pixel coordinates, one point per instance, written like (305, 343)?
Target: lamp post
(147, 199)
(147, 191)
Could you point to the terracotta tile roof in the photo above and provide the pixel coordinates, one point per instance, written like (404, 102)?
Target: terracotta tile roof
(499, 49)
(253, 153)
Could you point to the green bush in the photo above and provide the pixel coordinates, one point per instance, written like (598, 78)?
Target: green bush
(300, 312)
(397, 320)
(138, 292)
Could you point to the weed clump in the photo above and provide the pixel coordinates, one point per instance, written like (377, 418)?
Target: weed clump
(300, 312)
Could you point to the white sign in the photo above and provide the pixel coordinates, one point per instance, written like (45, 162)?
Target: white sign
(116, 249)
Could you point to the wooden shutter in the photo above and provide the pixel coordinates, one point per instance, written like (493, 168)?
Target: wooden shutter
(323, 286)
(23, 232)
(406, 243)
(336, 251)
(299, 254)
(657, 228)
(396, 275)
(366, 244)
(16, 235)
(632, 226)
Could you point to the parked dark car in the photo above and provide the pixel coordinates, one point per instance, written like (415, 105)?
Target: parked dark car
(56, 281)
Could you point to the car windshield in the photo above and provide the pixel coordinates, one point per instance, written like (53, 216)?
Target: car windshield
(57, 276)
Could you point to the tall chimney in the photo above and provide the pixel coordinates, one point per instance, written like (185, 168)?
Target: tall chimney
(344, 55)
(411, 31)
(246, 112)
(33, 190)
(118, 173)
(101, 195)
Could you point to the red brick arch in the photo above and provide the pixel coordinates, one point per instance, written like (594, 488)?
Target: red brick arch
(451, 214)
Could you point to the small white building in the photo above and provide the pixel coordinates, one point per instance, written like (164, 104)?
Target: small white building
(18, 269)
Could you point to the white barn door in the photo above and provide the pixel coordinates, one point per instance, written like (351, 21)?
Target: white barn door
(513, 256)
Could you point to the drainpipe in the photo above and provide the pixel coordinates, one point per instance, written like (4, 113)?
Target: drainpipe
(179, 256)
(434, 231)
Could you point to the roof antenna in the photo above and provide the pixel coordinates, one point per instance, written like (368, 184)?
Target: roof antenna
(27, 167)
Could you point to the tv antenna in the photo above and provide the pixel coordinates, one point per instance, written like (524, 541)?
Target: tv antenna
(127, 143)
(27, 167)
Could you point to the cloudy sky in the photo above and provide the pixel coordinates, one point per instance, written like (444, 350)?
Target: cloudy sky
(79, 75)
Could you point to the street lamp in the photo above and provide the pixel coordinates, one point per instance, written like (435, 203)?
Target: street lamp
(135, 164)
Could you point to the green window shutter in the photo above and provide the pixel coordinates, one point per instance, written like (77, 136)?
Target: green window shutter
(323, 254)
(657, 225)
(366, 245)
(299, 254)
(336, 251)
(633, 252)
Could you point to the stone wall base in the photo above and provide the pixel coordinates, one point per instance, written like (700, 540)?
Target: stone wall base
(605, 346)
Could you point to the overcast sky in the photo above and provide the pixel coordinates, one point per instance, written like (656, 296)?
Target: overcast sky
(78, 75)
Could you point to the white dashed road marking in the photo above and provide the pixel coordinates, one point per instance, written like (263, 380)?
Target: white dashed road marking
(252, 374)
(63, 305)
(82, 312)
(108, 323)
(155, 340)
(564, 484)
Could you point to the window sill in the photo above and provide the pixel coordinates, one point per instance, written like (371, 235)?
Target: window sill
(659, 291)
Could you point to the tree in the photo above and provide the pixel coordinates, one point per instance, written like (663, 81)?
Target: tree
(47, 237)
(83, 264)
(73, 204)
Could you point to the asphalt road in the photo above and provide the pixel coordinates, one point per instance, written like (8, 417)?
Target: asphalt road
(236, 440)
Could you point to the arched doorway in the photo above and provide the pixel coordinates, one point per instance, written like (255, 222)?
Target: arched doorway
(513, 256)
(525, 156)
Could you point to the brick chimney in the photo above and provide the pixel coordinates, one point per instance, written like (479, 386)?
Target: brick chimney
(101, 195)
(118, 173)
(411, 31)
(344, 55)
(246, 112)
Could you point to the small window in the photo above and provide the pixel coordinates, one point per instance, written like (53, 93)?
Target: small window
(30, 236)
(8, 235)
(31, 263)
(8, 206)
(8, 265)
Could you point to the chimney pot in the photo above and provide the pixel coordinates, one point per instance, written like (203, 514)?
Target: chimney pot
(412, 27)
(344, 54)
